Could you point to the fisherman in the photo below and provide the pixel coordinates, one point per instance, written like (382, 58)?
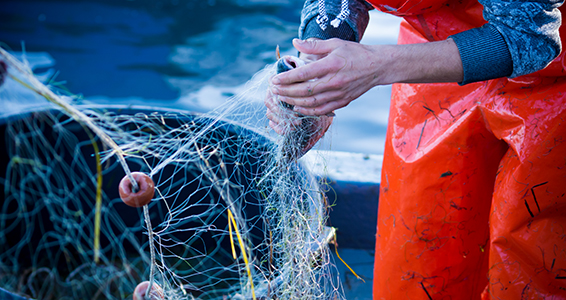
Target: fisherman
(473, 193)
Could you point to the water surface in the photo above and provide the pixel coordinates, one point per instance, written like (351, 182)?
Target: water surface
(189, 55)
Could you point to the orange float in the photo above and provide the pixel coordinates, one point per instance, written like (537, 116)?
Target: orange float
(141, 292)
(141, 197)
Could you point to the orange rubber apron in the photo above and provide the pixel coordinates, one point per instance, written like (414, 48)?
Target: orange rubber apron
(473, 188)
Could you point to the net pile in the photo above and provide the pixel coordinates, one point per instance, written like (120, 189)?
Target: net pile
(230, 218)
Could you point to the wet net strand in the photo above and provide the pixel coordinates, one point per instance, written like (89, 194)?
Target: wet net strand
(230, 218)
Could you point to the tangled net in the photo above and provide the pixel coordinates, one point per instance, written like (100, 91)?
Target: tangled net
(230, 218)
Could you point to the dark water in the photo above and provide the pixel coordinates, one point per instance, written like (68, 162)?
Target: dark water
(147, 48)
(186, 54)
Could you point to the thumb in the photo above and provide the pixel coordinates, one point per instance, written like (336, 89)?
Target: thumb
(314, 46)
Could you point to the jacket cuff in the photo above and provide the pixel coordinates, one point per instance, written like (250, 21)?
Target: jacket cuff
(484, 53)
(344, 31)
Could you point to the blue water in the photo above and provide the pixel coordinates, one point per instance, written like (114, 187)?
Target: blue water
(189, 55)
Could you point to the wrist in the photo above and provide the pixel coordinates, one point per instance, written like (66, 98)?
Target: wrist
(388, 64)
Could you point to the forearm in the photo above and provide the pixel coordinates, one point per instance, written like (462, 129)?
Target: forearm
(417, 63)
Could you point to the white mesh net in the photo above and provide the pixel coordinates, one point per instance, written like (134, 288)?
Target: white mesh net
(230, 218)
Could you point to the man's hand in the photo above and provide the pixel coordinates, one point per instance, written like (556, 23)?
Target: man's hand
(329, 83)
(346, 70)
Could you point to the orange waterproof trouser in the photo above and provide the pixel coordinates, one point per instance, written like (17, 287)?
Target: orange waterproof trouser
(473, 186)
(473, 192)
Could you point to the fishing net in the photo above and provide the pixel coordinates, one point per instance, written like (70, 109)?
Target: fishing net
(234, 214)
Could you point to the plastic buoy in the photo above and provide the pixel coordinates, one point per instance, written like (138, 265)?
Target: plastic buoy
(156, 292)
(141, 197)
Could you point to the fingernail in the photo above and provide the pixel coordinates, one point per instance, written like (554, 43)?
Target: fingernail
(275, 80)
(298, 41)
(274, 90)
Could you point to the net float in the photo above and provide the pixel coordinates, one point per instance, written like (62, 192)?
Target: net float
(141, 292)
(141, 197)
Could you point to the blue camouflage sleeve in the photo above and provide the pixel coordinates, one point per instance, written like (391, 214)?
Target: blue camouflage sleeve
(351, 29)
(521, 37)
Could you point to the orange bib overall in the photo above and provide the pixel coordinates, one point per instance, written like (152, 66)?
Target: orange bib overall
(473, 187)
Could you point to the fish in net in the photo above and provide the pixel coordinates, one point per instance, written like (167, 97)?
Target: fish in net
(233, 214)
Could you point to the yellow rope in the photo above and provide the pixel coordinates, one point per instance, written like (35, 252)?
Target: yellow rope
(338, 255)
(231, 236)
(242, 247)
(98, 207)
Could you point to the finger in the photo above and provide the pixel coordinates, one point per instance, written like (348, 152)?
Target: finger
(329, 79)
(274, 105)
(280, 115)
(307, 88)
(282, 128)
(316, 69)
(278, 129)
(276, 117)
(309, 58)
(325, 109)
(316, 46)
(314, 100)
(270, 102)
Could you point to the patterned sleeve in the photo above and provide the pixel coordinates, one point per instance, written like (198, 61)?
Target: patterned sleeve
(351, 29)
(521, 37)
